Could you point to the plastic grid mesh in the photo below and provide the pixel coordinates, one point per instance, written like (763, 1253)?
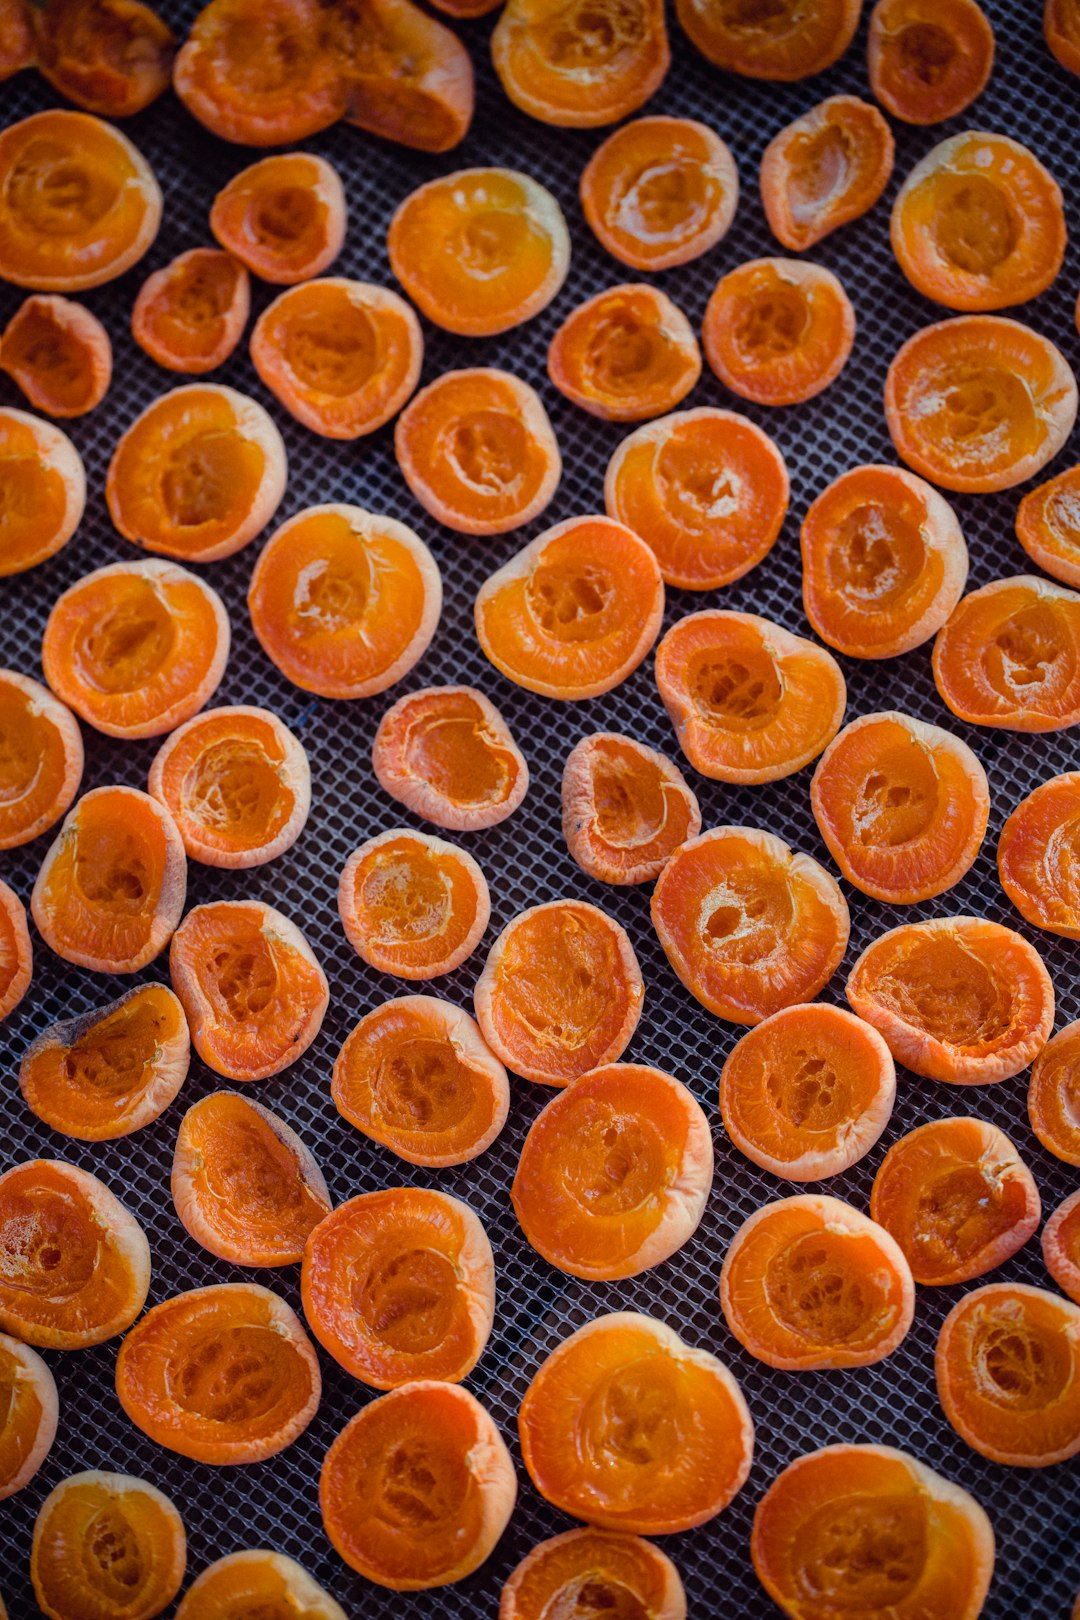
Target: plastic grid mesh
(274, 1504)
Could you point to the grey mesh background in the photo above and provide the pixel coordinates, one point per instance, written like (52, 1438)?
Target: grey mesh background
(274, 1504)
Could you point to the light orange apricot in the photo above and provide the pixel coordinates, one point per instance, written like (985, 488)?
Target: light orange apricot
(1048, 526)
(107, 1547)
(1009, 656)
(18, 47)
(1061, 1246)
(826, 169)
(1053, 1099)
(602, 1567)
(44, 490)
(111, 57)
(284, 217)
(584, 64)
(29, 1413)
(190, 315)
(778, 331)
(1037, 856)
(1061, 27)
(41, 761)
(58, 353)
(408, 77)
(626, 354)
(267, 1580)
(625, 808)
(781, 40)
(412, 904)
(446, 753)
(928, 59)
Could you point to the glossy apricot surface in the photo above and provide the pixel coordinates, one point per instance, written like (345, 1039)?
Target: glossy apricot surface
(44, 490)
(412, 904)
(783, 40)
(626, 354)
(446, 753)
(1061, 27)
(190, 315)
(1061, 1246)
(111, 57)
(58, 353)
(928, 59)
(1009, 656)
(409, 78)
(284, 217)
(29, 1412)
(16, 957)
(1036, 856)
(600, 1567)
(107, 1547)
(660, 192)
(778, 331)
(585, 64)
(1054, 1095)
(824, 170)
(625, 808)
(274, 1585)
(1048, 526)
(41, 759)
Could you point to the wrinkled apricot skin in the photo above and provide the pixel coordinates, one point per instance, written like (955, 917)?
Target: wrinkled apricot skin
(1061, 1246)
(1048, 526)
(412, 904)
(789, 40)
(1061, 26)
(44, 491)
(625, 808)
(958, 999)
(190, 315)
(107, 1547)
(18, 47)
(826, 169)
(111, 57)
(31, 1410)
(409, 78)
(246, 1580)
(868, 1531)
(680, 1460)
(602, 1566)
(928, 59)
(1009, 656)
(1037, 856)
(577, 64)
(1054, 1095)
(59, 354)
(446, 753)
(283, 218)
(41, 759)
(778, 331)
(625, 355)
(244, 1185)
(106, 1073)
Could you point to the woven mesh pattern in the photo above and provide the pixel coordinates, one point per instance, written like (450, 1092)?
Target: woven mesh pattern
(275, 1504)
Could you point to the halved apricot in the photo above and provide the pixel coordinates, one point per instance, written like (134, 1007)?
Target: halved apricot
(810, 1282)
(58, 353)
(629, 1427)
(868, 1530)
(254, 995)
(41, 759)
(29, 1412)
(660, 192)
(1048, 526)
(1008, 1374)
(106, 1073)
(237, 783)
(826, 169)
(416, 1076)
(284, 217)
(74, 1261)
(408, 77)
(111, 887)
(615, 1573)
(107, 1547)
(112, 57)
(625, 808)
(1061, 1247)
(1037, 856)
(343, 601)
(958, 999)
(901, 805)
(979, 402)
(928, 59)
(706, 489)
(18, 47)
(446, 753)
(266, 1583)
(884, 562)
(78, 202)
(190, 315)
(1054, 1095)
(1061, 27)
(413, 905)
(561, 992)
(580, 65)
(44, 490)
(808, 1092)
(478, 451)
(223, 1375)
(626, 354)
(777, 39)
(244, 1184)
(575, 611)
(748, 925)
(778, 331)
(615, 1172)
(1009, 656)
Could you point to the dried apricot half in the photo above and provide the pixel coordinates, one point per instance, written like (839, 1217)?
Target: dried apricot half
(615, 1172)
(29, 1412)
(808, 1092)
(16, 957)
(408, 78)
(777, 39)
(626, 354)
(928, 59)
(412, 904)
(112, 57)
(42, 490)
(581, 64)
(244, 1184)
(1048, 526)
(58, 353)
(1061, 26)
(1009, 656)
(575, 611)
(1061, 1247)
(826, 169)
(107, 1547)
(416, 1076)
(41, 759)
(748, 925)
(629, 1427)
(272, 1584)
(111, 887)
(1037, 856)
(602, 1567)
(108, 1072)
(284, 217)
(446, 753)
(561, 992)
(254, 995)
(778, 331)
(958, 999)
(74, 1262)
(625, 808)
(223, 1375)
(190, 315)
(1054, 1095)
(18, 48)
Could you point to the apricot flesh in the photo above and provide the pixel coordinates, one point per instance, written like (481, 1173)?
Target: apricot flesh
(625, 808)
(41, 759)
(107, 1545)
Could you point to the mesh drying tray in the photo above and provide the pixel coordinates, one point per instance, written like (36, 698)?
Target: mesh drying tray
(274, 1504)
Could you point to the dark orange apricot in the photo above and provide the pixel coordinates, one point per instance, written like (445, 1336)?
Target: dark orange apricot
(408, 77)
(78, 202)
(1053, 1099)
(412, 904)
(958, 999)
(74, 1262)
(1008, 1374)
(136, 648)
(18, 47)
(254, 995)
(1048, 526)
(416, 1076)
(625, 808)
(625, 355)
(561, 992)
(107, 1547)
(901, 805)
(106, 1073)
(480, 250)
(660, 192)
(808, 1092)
(284, 217)
(928, 59)
(615, 1573)
(42, 491)
(629, 1427)
(1061, 27)
(979, 402)
(478, 451)
(244, 1185)
(111, 57)
(344, 602)
(267, 1583)
(750, 702)
(826, 169)
(222, 1375)
(1037, 856)
(29, 1412)
(446, 753)
(615, 1172)
(778, 331)
(41, 759)
(707, 490)
(574, 612)
(190, 315)
(866, 1531)
(581, 64)
(237, 784)
(1061, 1247)
(111, 887)
(58, 353)
(777, 39)
(748, 925)
(1009, 656)
(884, 562)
